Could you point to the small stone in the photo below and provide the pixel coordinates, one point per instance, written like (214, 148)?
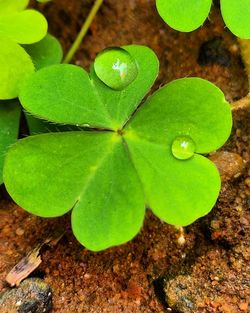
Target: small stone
(18, 303)
(226, 308)
(243, 306)
(32, 296)
(247, 181)
(87, 276)
(19, 231)
(181, 240)
(215, 225)
(230, 165)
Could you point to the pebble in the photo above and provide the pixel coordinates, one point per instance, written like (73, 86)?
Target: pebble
(243, 306)
(19, 231)
(230, 165)
(32, 296)
(247, 181)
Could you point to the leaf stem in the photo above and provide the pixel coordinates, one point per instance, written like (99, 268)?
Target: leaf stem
(244, 103)
(245, 54)
(83, 31)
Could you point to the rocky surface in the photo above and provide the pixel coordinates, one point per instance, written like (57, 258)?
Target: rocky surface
(32, 296)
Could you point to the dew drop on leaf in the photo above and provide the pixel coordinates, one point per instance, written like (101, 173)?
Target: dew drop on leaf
(116, 68)
(183, 147)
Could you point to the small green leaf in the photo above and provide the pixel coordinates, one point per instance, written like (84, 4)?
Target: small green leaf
(25, 27)
(186, 107)
(10, 6)
(85, 100)
(46, 52)
(178, 192)
(184, 15)
(236, 15)
(9, 121)
(16, 66)
(63, 93)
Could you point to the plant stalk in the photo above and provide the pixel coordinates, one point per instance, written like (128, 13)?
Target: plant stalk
(245, 54)
(244, 103)
(83, 31)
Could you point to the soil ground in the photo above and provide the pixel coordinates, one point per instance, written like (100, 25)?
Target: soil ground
(152, 273)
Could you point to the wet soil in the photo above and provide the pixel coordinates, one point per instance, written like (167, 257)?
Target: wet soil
(152, 273)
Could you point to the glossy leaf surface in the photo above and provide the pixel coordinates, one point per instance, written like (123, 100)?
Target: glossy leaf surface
(53, 88)
(188, 15)
(16, 66)
(236, 15)
(46, 52)
(184, 15)
(10, 6)
(189, 107)
(178, 192)
(23, 27)
(116, 215)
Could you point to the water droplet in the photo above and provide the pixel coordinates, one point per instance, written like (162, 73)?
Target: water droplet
(116, 68)
(183, 147)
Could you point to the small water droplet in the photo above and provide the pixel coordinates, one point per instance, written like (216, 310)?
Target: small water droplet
(116, 68)
(183, 147)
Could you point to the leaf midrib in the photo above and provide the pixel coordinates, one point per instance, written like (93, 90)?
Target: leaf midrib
(92, 175)
(108, 116)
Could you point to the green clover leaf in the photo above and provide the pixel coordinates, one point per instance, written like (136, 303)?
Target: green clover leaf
(44, 53)
(10, 6)
(236, 15)
(188, 15)
(129, 157)
(184, 15)
(18, 25)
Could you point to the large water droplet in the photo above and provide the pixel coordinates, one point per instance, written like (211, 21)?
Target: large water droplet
(116, 68)
(183, 147)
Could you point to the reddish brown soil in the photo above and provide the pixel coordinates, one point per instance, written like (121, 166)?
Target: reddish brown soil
(210, 273)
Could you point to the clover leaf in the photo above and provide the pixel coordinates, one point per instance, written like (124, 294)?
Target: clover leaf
(188, 15)
(18, 25)
(10, 6)
(44, 53)
(130, 156)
